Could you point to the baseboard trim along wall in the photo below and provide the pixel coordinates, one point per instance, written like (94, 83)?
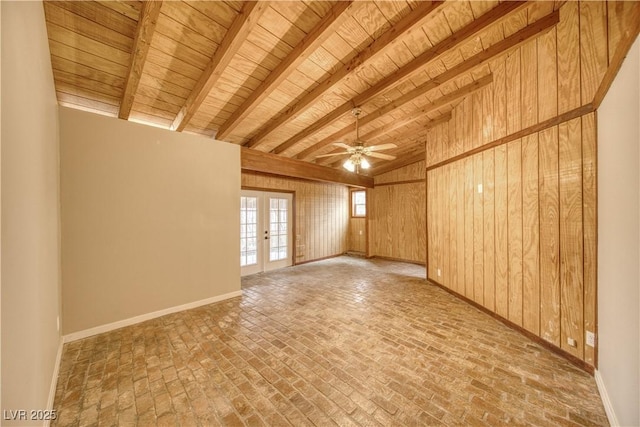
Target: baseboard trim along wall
(144, 317)
(54, 380)
(606, 402)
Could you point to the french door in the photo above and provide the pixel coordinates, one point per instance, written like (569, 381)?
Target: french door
(266, 237)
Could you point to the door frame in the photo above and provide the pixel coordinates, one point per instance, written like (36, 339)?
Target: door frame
(294, 235)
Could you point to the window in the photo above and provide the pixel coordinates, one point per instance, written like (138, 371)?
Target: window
(359, 203)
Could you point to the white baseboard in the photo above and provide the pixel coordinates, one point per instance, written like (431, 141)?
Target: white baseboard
(608, 407)
(144, 317)
(54, 380)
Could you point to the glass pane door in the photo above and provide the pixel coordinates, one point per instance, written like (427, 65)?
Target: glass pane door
(278, 221)
(248, 231)
(265, 231)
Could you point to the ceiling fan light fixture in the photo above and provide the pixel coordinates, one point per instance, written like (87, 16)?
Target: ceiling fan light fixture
(364, 164)
(349, 165)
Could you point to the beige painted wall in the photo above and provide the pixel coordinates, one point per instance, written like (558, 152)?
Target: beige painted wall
(150, 219)
(619, 241)
(30, 214)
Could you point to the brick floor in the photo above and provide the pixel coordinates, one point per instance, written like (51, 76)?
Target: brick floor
(344, 341)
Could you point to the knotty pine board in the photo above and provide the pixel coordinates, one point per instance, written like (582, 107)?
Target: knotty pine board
(594, 58)
(488, 211)
(589, 216)
(501, 236)
(514, 229)
(571, 236)
(460, 227)
(468, 227)
(530, 235)
(549, 236)
(478, 230)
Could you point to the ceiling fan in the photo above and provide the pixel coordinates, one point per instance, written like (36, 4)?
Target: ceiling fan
(358, 151)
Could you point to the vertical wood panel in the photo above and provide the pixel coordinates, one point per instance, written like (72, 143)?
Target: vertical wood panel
(431, 235)
(477, 121)
(489, 230)
(467, 124)
(487, 115)
(499, 101)
(549, 237)
(514, 184)
(400, 233)
(438, 219)
(501, 237)
(357, 235)
(444, 224)
(620, 16)
(593, 47)
(571, 236)
(513, 93)
(547, 75)
(568, 30)
(443, 219)
(468, 227)
(460, 228)
(452, 191)
(529, 66)
(478, 231)
(589, 203)
(530, 235)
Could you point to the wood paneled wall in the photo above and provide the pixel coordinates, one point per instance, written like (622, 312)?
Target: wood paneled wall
(513, 229)
(358, 235)
(397, 210)
(322, 214)
(511, 224)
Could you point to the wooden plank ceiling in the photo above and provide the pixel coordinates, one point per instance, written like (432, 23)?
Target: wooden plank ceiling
(282, 77)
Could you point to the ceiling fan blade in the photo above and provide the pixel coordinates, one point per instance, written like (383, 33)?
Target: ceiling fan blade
(381, 156)
(342, 144)
(332, 154)
(382, 147)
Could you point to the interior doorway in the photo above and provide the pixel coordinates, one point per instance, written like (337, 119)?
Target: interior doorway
(266, 236)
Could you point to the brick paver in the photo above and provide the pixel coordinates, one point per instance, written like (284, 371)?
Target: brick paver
(345, 341)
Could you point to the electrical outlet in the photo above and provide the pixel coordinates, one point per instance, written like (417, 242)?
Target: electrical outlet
(572, 342)
(58, 323)
(591, 339)
(439, 273)
(479, 188)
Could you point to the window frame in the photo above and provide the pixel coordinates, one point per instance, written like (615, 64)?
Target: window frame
(354, 204)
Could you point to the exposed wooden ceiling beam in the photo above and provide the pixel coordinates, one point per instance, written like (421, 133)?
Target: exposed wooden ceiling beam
(417, 17)
(233, 39)
(144, 32)
(318, 35)
(495, 15)
(396, 124)
(432, 106)
(399, 163)
(257, 161)
(518, 38)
